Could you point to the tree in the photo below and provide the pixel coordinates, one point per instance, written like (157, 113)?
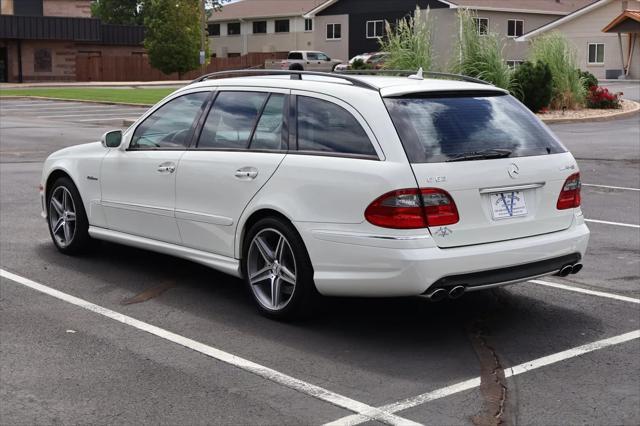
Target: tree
(127, 12)
(172, 36)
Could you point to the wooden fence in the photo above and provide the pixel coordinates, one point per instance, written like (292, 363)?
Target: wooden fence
(138, 68)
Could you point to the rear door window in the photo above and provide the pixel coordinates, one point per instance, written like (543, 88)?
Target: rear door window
(324, 127)
(231, 120)
(458, 127)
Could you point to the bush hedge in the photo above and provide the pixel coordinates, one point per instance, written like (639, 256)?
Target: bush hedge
(535, 82)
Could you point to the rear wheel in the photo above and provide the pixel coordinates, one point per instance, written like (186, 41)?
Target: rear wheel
(296, 67)
(277, 269)
(68, 224)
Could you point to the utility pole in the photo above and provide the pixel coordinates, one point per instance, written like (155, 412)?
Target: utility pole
(203, 36)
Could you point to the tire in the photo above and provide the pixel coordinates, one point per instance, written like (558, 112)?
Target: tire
(274, 257)
(66, 218)
(296, 67)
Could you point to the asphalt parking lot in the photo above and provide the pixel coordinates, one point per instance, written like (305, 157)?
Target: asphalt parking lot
(127, 336)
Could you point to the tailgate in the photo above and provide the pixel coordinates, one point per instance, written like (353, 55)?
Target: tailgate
(502, 167)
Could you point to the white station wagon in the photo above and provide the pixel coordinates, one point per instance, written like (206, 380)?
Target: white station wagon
(306, 183)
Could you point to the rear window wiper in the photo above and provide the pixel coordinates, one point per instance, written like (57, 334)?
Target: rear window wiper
(481, 155)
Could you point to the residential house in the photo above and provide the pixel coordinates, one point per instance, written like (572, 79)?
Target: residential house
(361, 23)
(261, 26)
(605, 35)
(40, 40)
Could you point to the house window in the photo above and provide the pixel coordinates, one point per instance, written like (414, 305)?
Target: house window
(259, 27)
(515, 27)
(334, 31)
(214, 30)
(596, 53)
(233, 28)
(308, 25)
(482, 25)
(514, 63)
(282, 25)
(42, 60)
(375, 29)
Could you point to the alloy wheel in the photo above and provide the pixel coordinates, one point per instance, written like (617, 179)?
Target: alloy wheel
(62, 216)
(271, 269)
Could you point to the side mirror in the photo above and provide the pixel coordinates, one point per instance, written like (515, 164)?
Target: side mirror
(328, 59)
(112, 139)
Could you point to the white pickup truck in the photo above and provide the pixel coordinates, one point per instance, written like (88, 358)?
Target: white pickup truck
(302, 60)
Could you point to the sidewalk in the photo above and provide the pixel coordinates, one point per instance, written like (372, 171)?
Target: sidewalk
(97, 84)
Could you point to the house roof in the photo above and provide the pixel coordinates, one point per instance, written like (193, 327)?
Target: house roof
(250, 9)
(633, 15)
(550, 7)
(570, 17)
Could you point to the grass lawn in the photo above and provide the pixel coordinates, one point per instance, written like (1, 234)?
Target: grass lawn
(125, 95)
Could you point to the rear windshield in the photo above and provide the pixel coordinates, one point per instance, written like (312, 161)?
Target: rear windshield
(459, 128)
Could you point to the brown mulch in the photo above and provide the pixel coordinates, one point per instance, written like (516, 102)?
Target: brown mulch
(588, 112)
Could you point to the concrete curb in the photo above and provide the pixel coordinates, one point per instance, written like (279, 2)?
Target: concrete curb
(96, 84)
(75, 100)
(595, 118)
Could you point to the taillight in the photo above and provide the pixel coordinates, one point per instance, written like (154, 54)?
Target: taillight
(570, 195)
(412, 208)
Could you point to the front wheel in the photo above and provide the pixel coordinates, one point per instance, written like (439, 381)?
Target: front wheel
(277, 270)
(68, 224)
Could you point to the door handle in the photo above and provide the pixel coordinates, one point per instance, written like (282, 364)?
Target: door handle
(246, 173)
(167, 167)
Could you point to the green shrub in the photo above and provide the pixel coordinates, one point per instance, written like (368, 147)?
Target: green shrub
(481, 56)
(554, 50)
(409, 43)
(535, 85)
(589, 80)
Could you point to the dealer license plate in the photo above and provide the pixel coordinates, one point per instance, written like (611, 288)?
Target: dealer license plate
(508, 204)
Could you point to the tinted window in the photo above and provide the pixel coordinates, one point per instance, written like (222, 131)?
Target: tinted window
(439, 129)
(326, 127)
(233, 28)
(295, 55)
(214, 30)
(282, 26)
(268, 134)
(170, 125)
(260, 27)
(231, 120)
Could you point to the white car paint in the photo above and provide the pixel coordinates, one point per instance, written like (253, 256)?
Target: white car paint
(199, 212)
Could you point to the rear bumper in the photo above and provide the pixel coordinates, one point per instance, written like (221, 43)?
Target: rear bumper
(410, 265)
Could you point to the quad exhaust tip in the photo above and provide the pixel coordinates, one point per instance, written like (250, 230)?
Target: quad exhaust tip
(570, 269)
(437, 295)
(576, 268)
(456, 292)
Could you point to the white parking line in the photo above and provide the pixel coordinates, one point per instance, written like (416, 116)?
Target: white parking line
(65, 109)
(586, 291)
(109, 119)
(605, 222)
(366, 411)
(508, 372)
(623, 188)
(88, 113)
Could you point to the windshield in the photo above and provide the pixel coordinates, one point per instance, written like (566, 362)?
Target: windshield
(468, 127)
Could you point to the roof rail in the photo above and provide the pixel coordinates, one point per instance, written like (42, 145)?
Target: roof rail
(413, 72)
(295, 75)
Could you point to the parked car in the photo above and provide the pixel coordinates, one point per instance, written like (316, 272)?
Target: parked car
(334, 185)
(302, 60)
(374, 59)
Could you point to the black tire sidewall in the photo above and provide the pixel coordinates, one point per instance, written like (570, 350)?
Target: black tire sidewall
(81, 238)
(305, 292)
